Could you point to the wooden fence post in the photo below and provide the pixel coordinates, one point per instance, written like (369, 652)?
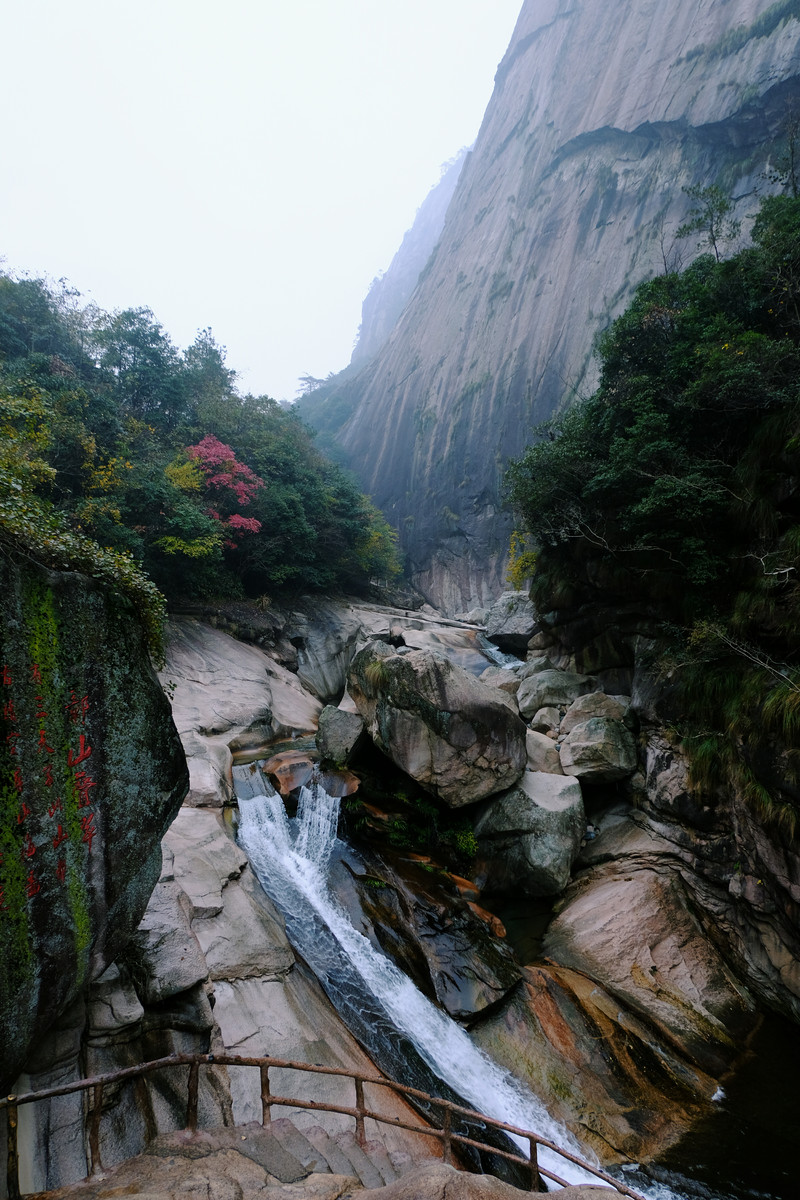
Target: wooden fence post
(191, 1097)
(12, 1171)
(535, 1182)
(95, 1163)
(266, 1108)
(361, 1136)
(447, 1153)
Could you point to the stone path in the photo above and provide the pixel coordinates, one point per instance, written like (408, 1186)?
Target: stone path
(281, 1163)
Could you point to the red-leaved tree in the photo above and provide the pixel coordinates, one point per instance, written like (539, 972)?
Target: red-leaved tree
(234, 483)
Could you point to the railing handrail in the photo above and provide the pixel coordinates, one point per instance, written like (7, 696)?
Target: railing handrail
(97, 1083)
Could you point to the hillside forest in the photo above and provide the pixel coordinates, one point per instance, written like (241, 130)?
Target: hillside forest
(135, 462)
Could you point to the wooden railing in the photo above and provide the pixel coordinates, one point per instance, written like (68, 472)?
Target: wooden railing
(360, 1112)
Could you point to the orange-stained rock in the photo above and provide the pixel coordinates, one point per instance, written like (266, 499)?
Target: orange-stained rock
(288, 770)
(596, 1065)
(495, 924)
(291, 769)
(339, 782)
(468, 889)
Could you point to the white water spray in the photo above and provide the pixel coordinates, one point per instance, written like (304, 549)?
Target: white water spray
(290, 859)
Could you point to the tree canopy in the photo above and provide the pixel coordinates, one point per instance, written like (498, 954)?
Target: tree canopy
(115, 441)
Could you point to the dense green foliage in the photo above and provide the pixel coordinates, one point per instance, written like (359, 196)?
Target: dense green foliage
(146, 467)
(676, 488)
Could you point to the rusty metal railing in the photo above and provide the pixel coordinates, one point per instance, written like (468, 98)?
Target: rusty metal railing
(447, 1135)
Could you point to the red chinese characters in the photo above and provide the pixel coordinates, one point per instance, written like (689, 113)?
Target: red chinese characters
(83, 785)
(77, 708)
(89, 831)
(43, 743)
(84, 752)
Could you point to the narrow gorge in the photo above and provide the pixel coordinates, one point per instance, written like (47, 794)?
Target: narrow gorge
(515, 824)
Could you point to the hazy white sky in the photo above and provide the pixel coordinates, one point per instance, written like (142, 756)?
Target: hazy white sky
(248, 164)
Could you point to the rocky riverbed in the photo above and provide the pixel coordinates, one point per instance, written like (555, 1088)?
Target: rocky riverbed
(652, 970)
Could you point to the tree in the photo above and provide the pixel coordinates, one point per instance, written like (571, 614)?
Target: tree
(711, 216)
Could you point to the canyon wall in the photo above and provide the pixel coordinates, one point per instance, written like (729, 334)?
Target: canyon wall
(601, 116)
(92, 773)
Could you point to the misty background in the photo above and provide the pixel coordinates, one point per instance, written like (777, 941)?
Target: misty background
(245, 166)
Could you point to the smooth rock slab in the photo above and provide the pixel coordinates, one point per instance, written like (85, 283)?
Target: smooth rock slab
(597, 1067)
(530, 836)
(599, 750)
(637, 936)
(438, 1181)
(438, 723)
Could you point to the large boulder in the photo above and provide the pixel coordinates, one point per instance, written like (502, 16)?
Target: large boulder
(511, 622)
(92, 774)
(635, 932)
(438, 723)
(551, 688)
(598, 704)
(339, 734)
(542, 753)
(529, 837)
(599, 750)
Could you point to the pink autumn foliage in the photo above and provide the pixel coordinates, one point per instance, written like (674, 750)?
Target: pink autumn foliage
(222, 470)
(243, 524)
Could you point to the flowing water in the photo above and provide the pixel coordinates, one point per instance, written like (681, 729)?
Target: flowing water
(412, 1040)
(290, 858)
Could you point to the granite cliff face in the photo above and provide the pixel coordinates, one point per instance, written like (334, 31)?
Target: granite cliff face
(389, 293)
(601, 115)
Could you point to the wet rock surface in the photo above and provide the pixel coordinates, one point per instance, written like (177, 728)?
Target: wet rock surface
(416, 914)
(617, 1085)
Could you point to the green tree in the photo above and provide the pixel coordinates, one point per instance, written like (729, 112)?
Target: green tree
(710, 215)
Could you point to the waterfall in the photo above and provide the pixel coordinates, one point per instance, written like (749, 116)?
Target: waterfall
(290, 858)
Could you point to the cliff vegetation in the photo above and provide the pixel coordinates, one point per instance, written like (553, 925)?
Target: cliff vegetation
(672, 493)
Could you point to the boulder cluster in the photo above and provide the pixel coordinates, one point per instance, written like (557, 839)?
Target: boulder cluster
(513, 744)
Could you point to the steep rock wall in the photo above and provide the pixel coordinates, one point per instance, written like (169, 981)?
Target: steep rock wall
(601, 114)
(92, 772)
(389, 294)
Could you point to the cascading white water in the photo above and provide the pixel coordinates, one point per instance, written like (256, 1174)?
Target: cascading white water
(290, 859)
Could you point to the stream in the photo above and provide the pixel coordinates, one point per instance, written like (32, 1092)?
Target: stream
(406, 1035)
